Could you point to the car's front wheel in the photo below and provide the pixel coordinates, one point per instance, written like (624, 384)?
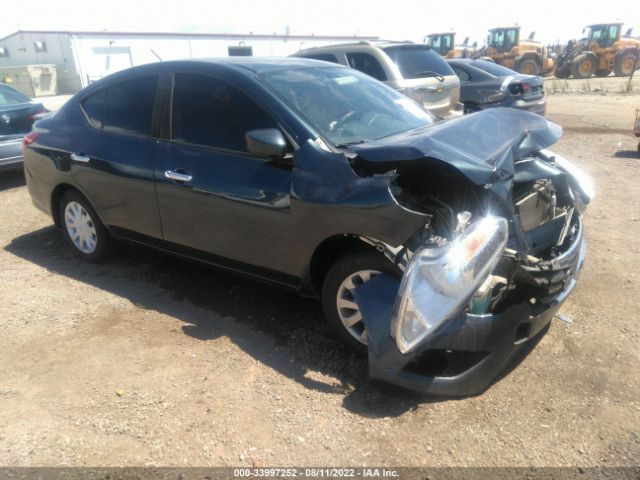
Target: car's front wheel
(338, 300)
(82, 228)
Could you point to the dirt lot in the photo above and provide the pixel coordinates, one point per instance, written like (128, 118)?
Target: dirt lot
(148, 360)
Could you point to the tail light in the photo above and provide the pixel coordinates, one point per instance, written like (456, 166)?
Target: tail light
(38, 115)
(519, 88)
(28, 140)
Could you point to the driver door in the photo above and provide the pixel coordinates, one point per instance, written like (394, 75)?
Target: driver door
(214, 197)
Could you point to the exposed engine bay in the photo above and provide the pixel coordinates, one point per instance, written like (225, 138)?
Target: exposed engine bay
(543, 225)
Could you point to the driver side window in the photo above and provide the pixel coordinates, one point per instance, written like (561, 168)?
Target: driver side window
(209, 112)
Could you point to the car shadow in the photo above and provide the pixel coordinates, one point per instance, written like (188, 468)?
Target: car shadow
(627, 154)
(12, 178)
(299, 345)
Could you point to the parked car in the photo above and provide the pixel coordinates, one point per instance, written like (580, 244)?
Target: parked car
(439, 248)
(484, 84)
(413, 69)
(17, 114)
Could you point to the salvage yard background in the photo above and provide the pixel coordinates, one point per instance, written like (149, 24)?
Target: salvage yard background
(148, 360)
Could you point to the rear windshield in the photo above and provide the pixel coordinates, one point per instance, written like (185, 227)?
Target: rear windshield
(493, 68)
(8, 96)
(418, 61)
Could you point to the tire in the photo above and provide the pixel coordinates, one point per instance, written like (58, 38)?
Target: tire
(583, 66)
(528, 66)
(624, 65)
(359, 267)
(603, 73)
(470, 108)
(91, 240)
(562, 73)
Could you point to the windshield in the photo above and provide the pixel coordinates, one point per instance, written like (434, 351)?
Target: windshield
(346, 106)
(8, 96)
(596, 32)
(493, 68)
(418, 61)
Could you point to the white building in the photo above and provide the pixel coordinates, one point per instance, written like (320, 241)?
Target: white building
(83, 57)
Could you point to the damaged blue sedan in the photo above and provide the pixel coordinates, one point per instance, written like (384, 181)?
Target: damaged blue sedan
(439, 249)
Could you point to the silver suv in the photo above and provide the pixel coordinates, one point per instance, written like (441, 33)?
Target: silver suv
(413, 69)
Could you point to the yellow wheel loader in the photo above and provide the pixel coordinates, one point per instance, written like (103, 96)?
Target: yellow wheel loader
(505, 47)
(444, 44)
(602, 51)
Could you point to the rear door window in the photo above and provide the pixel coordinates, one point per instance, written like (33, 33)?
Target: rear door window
(128, 106)
(418, 61)
(366, 63)
(93, 108)
(210, 112)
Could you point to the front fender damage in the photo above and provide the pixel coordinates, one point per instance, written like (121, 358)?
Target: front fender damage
(539, 266)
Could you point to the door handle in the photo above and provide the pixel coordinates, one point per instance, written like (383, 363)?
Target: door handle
(178, 177)
(79, 158)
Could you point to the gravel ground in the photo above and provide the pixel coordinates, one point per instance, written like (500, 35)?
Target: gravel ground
(148, 360)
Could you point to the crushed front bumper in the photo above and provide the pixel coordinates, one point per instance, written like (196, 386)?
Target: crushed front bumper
(468, 352)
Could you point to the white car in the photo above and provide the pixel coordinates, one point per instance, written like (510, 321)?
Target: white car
(413, 69)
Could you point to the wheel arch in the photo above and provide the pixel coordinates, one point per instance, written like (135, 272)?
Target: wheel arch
(628, 49)
(528, 56)
(57, 194)
(326, 253)
(591, 54)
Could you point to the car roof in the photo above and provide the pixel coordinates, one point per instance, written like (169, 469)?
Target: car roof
(604, 24)
(241, 65)
(261, 64)
(364, 43)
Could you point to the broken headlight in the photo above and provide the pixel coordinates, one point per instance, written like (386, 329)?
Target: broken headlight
(439, 281)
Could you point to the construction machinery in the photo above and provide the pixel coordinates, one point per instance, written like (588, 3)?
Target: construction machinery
(444, 44)
(602, 51)
(505, 47)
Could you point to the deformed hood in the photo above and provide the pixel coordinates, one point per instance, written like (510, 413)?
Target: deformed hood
(479, 145)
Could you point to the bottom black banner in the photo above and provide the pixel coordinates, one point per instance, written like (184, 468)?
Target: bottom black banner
(438, 473)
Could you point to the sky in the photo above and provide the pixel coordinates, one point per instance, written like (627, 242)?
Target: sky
(394, 20)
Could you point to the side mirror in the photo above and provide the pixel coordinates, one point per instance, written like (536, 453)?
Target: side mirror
(266, 142)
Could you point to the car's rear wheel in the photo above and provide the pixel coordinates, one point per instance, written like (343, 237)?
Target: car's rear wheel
(470, 108)
(338, 301)
(82, 228)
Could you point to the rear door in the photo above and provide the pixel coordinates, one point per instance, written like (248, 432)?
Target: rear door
(229, 203)
(113, 155)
